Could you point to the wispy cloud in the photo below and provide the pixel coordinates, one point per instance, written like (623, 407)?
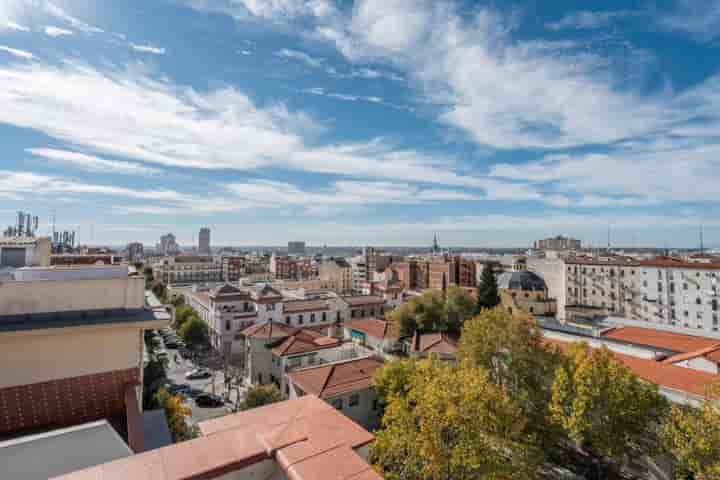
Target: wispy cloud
(24, 54)
(699, 19)
(92, 163)
(590, 20)
(57, 31)
(148, 49)
(301, 56)
(57, 12)
(16, 27)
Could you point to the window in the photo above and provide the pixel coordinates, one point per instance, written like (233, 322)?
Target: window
(337, 403)
(295, 362)
(354, 400)
(300, 319)
(685, 287)
(324, 316)
(685, 313)
(698, 301)
(376, 405)
(311, 360)
(287, 319)
(362, 313)
(312, 318)
(227, 325)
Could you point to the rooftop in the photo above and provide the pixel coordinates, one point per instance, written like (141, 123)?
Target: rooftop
(439, 343)
(673, 342)
(521, 280)
(374, 327)
(670, 262)
(613, 261)
(362, 300)
(39, 321)
(299, 306)
(338, 378)
(304, 341)
(268, 330)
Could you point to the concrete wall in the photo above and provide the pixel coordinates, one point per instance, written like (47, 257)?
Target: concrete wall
(364, 412)
(553, 272)
(17, 298)
(38, 357)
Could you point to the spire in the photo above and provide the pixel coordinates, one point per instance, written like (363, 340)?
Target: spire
(436, 246)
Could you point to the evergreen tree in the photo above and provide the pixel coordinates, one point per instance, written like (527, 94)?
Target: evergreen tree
(488, 296)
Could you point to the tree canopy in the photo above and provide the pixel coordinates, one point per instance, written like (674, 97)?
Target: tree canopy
(259, 395)
(182, 314)
(488, 296)
(692, 436)
(451, 423)
(603, 407)
(194, 331)
(433, 311)
(176, 414)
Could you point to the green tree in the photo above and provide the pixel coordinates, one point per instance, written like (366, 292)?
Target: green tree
(426, 312)
(692, 437)
(393, 379)
(488, 296)
(194, 331)
(176, 414)
(154, 374)
(259, 395)
(451, 423)
(459, 306)
(604, 408)
(183, 313)
(510, 349)
(403, 316)
(160, 291)
(178, 301)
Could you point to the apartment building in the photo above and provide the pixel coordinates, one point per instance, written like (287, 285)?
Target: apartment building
(16, 252)
(359, 306)
(73, 337)
(135, 252)
(168, 245)
(204, 241)
(188, 269)
(234, 267)
(336, 274)
(290, 268)
(558, 243)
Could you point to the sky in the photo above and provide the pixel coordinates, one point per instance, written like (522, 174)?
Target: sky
(377, 122)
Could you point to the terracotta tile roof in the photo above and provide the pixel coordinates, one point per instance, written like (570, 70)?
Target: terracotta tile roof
(439, 343)
(362, 300)
(670, 262)
(299, 306)
(337, 378)
(374, 327)
(682, 379)
(306, 437)
(674, 342)
(304, 341)
(712, 353)
(268, 330)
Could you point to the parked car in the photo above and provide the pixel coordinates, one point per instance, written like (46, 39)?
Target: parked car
(198, 373)
(176, 388)
(171, 344)
(209, 400)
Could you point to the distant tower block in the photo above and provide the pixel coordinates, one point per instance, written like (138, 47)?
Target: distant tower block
(204, 241)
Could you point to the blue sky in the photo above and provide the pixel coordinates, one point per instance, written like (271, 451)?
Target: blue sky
(367, 122)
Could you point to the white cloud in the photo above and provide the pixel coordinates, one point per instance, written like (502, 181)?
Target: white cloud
(57, 12)
(17, 52)
(588, 20)
(301, 56)
(14, 26)
(245, 52)
(148, 49)
(698, 18)
(92, 163)
(57, 31)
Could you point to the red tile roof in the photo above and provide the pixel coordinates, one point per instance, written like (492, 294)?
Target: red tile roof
(299, 306)
(304, 341)
(712, 353)
(675, 342)
(333, 379)
(670, 262)
(363, 300)
(439, 343)
(268, 330)
(682, 379)
(374, 327)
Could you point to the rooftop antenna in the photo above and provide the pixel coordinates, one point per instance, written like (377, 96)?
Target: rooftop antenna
(608, 237)
(702, 245)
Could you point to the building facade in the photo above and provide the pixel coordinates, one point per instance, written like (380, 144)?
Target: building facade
(336, 274)
(204, 241)
(188, 269)
(558, 243)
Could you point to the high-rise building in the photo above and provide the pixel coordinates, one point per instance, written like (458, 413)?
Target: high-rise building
(558, 243)
(204, 241)
(168, 245)
(296, 248)
(135, 252)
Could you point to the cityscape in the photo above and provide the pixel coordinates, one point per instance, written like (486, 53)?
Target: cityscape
(359, 240)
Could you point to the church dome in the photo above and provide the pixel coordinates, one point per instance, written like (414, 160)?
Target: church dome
(521, 280)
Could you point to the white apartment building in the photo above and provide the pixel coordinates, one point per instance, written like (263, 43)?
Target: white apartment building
(188, 269)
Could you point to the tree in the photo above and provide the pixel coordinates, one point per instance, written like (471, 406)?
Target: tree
(259, 395)
(154, 374)
(178, 301)
(176, 414)
(603, 407)
(459, 306)
(509, 347)
(194, 331)
(393, 379)
(429, 312)
(692, 436)
(451, 423)
(160, 291)
(403, 316)
(182, 314)
(488, 296)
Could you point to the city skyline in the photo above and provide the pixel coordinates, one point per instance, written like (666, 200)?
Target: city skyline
(490, 124)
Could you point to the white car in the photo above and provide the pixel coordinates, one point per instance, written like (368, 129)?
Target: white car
(198, 374)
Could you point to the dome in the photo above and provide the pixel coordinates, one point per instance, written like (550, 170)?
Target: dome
(521, 280)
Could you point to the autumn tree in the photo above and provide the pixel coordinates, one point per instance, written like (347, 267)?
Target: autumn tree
(194, 331)
(433, 311)
(451, 423)
(509, 347)
(176, 413)
(692, 436)
(487, 296)
(603, 407)
(259, 395)
(459, 306)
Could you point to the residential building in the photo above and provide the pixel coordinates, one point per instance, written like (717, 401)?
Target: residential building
(188, 269)
(204, 241)
(168, 245)
(296, 248)
(336, 274)
(288, 268)
(359, 306)
(312, 312)
(135, 252)
(74, 339)
(17, 252)
(442, 345)
(359, 269)
(376, 334)
(69, 259)
(234, 267)
(257, 355)
(558, 243)
(525, 291)
(300, 439)
(347, 385)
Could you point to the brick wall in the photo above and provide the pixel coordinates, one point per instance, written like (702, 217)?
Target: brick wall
(65, 402)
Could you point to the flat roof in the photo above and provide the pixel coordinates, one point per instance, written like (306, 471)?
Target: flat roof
(41, 321)
(61, 451)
